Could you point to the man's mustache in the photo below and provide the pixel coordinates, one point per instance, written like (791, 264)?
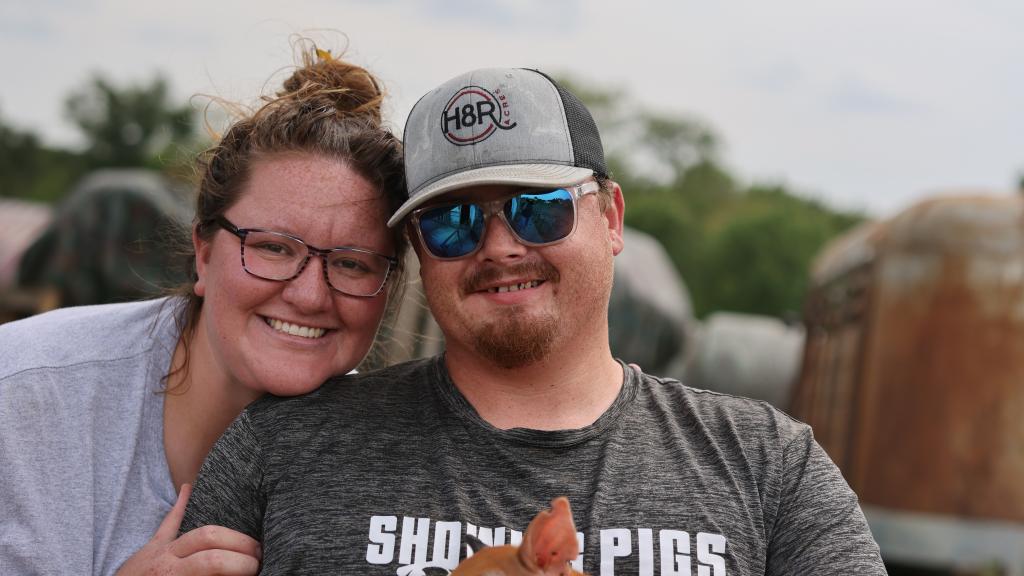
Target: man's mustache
(489, 274)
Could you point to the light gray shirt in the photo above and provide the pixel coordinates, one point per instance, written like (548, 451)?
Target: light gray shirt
(387, 473)
(84, 480)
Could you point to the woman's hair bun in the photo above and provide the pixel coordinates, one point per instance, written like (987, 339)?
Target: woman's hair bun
(325, 81)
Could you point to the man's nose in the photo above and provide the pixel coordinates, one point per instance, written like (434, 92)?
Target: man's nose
(499, 243)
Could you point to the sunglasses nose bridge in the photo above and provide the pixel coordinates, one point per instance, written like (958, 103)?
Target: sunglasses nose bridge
(499, 239)
(492, 207)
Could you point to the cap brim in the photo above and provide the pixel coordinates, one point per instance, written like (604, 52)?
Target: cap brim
(532, 175)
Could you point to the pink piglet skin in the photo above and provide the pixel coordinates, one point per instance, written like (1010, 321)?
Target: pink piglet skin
(549, 544)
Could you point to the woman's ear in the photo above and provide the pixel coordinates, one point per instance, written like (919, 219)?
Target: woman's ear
(202, 251)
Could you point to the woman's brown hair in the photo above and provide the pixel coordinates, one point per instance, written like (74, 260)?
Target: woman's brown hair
(329, 107)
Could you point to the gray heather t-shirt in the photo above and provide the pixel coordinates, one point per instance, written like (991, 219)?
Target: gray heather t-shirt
(84, 481)
(385, 472)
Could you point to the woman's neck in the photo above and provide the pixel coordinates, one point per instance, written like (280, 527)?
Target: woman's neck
(200, 402)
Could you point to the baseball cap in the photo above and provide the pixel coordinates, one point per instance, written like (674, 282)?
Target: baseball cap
(497, 126)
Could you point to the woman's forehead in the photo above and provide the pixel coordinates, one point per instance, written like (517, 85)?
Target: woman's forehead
(311, 179)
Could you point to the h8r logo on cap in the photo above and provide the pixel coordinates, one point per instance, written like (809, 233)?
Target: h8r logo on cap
(473, 114)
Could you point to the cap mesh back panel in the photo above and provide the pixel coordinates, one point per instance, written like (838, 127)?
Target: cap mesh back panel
(586, 141)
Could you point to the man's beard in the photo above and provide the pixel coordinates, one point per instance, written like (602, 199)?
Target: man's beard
(515, 340)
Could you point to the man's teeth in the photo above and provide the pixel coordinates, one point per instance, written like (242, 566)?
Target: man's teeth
(514, 287)
(295, 329)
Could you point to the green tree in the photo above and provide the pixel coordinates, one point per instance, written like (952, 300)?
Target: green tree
(674, 143)
(32, 171)
(643, 144)
(127, 125)
(738, 247)
(759, 256)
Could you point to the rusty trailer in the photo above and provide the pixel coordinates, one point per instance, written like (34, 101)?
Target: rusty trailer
(913, 380)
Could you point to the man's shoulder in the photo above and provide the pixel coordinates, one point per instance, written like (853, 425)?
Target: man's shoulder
(721, 412)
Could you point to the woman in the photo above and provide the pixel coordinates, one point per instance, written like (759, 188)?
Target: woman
(106, 412)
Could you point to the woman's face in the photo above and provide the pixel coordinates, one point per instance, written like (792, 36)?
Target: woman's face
(286, 338)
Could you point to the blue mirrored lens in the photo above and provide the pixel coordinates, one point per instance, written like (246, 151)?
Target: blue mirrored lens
(452, 231)
(541, 218)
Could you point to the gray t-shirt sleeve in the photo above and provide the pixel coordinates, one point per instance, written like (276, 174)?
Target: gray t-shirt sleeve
(229, 489)
(84, 481)
(820, 528)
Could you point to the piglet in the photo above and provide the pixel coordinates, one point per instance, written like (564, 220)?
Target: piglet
(548, 546)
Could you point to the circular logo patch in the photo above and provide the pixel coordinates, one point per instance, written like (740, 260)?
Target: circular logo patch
(473, 114)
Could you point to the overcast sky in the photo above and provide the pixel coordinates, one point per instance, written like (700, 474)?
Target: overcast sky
(866, 104)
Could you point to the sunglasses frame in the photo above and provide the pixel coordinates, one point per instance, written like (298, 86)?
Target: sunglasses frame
(496, 207)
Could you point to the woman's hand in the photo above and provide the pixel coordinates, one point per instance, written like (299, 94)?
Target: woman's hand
(206, 550)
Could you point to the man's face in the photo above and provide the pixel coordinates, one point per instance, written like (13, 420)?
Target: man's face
(514, 304)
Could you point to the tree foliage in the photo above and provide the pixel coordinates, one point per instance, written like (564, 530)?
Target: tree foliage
(32, 171)
(758, 256)
(127, 125)
(745, 248)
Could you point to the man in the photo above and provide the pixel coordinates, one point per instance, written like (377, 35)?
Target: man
(516, 225)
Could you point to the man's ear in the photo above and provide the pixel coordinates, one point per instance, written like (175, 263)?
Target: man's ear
(202, 250)
(614, 214)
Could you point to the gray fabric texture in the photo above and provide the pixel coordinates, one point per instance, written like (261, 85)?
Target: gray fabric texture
(384, 472)
(517, 112)
(84, 481)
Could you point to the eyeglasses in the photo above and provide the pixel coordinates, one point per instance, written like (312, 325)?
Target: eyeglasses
(282, 257)
(536, 218)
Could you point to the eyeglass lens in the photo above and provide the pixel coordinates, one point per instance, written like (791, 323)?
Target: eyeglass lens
(535, 218)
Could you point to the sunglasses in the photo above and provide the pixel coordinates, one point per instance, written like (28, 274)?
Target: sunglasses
(535, 218)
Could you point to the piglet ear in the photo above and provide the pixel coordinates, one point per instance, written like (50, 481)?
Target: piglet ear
(550, 540)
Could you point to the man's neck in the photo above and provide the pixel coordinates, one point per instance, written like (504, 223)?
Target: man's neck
(566, 389)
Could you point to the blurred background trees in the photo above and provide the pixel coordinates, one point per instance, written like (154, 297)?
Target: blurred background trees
(32, 171)
(739, 247)
(127, 126)
(123, 126)
(743, 247)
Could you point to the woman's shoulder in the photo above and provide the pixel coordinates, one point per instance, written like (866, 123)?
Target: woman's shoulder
(86, 334)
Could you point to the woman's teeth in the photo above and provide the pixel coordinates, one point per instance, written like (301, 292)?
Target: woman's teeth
(295, 329)
(515, 287)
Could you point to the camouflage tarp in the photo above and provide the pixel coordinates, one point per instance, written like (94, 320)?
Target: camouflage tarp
(110, 240)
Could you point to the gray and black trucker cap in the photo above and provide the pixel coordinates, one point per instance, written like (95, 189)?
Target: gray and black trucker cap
(497, 126)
